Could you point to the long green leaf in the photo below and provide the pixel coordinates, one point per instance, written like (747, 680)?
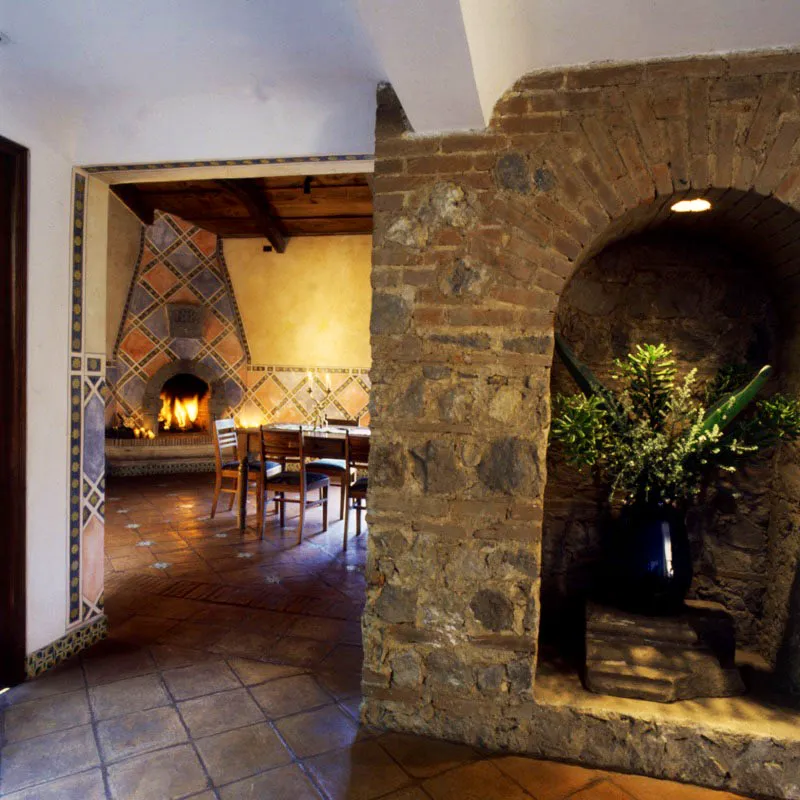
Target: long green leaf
(587, 382)
(723, 412)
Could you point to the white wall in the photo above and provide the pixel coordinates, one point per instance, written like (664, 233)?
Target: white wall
(508, 38)
(48, 321)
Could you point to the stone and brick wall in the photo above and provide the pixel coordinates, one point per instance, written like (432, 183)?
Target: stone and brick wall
(476, 237)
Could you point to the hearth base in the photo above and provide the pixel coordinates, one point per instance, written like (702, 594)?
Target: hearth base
(662, 658)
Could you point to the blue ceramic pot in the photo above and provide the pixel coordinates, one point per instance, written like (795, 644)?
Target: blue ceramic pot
(651, 562)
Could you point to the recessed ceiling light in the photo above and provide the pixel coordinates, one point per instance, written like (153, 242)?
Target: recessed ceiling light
(697, 204)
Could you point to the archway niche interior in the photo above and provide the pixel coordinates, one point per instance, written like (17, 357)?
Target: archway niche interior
(719, 289)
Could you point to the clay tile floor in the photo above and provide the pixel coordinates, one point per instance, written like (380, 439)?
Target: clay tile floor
(232, 671)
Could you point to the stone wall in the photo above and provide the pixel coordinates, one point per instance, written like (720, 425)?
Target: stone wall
(707, 302)
(476, 236)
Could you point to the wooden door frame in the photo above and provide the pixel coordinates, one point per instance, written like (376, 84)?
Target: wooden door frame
(13, 379)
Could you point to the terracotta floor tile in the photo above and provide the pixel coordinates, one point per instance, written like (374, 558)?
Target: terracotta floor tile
(480, 781)
(84, 786)
(546, 780)
(193, 635)
(652, 789)
(361, 772)
(423, 757)
(127, 662)
(64, 679)
(124, 697)
(290, 695)
(200, 679)
(320, 628)
(246, 644)
(602, 790)
(219, 712)
(167, 774)
(342, 685)
(47, 757)
(412, 793)
(314, 732)
(254, 672)
(300, 652)
(284, 783)
(46, 715)
(169, 657)
(139, 732)
(240, 753)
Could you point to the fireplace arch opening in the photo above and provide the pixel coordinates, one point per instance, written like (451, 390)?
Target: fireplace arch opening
(184, 404)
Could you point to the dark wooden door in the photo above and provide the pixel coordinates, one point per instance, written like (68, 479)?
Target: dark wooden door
(13, 274)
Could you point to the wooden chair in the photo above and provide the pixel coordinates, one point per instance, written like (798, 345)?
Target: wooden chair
(329, 458)
(357, 455)
(284, 446)
(227, 461)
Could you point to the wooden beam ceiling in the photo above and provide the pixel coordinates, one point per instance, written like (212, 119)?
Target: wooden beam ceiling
(277, 208)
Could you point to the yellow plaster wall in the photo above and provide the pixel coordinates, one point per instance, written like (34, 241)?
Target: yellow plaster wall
(307, 307)
(124, 236)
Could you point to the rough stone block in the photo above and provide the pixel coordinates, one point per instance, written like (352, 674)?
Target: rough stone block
(662, 658)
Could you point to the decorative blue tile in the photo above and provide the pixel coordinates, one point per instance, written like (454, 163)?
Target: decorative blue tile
(140, 300)
(184, 259)
(93, 438)
(156, 323)
(233, 392)
(207, 283)
(133, 391)
(161, 234)
(212, 364)
(223, 305)
(185, 348)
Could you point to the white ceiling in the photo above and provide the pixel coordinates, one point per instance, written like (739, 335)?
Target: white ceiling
(125, 81)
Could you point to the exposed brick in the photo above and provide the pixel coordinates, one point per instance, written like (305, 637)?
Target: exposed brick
(689, 68)
(646, 123)
(514, 104)
(407, 146)
(677, 136)
(386, 184)
(605, 194)
(788, 188)
(764, 119)
(738, 89)
(480, 317)
(663, 178)
(540, 81)
(426, 165)
(779, 156)
(566, 245)
(605, 76)
(724, 148)
(388, 202)
(698, 119)
(419, 277)
(765, 64)
(521, 297)
(472, 142)
(531, 123)
(522, 248)
(389, 166)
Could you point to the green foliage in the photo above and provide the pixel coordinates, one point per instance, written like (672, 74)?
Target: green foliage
(653, 439)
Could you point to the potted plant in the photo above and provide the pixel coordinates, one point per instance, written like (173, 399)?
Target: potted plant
(655, 441)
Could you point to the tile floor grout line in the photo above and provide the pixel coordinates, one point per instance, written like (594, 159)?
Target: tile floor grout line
(198, 756)
(95, 732)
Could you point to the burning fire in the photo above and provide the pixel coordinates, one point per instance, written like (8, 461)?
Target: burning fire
(178, 413)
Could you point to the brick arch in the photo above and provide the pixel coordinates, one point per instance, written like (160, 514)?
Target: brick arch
(476, 236)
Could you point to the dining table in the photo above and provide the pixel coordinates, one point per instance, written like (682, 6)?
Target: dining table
(249, 442)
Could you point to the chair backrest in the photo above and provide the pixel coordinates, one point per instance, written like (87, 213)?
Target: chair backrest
(325, 447)
(357, 450)
(343, 423)
(281, 445)
(226, 440)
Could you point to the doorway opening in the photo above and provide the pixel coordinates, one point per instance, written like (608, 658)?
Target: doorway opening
(13, 274)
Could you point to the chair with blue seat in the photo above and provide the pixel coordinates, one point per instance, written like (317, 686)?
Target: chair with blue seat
(328, 458)
(357, 455)
(284, 447)
(228, 462)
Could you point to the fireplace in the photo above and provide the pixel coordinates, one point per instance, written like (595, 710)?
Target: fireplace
(183, 398)
(184, 405)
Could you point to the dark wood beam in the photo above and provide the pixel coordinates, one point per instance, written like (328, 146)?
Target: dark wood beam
(135, 201)
(260, 209)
